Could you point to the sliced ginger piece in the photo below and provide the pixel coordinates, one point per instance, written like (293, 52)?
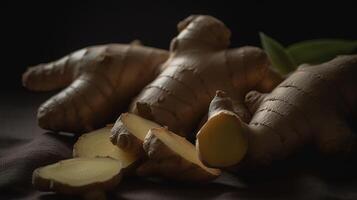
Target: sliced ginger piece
(221, 142)
(88, 177)
(97, 144)
(183, 162)
(137, 125)
(175, 157)
(133, 130)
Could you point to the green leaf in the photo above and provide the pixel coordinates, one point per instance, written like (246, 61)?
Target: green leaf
(320, 50)
(279, 57)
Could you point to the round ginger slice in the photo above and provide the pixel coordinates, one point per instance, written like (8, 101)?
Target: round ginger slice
(97, 144)
(88, 177)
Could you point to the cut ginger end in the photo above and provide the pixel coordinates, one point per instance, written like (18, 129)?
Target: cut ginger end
(181, 147)
(220, 142)
(97, 144)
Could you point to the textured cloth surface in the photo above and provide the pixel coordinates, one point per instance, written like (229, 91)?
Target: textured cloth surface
(24, 147)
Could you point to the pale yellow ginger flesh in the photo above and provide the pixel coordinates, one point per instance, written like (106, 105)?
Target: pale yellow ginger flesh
(181, 147)
(137, 125)
(77, 172)
(220, 142)
(97, 144)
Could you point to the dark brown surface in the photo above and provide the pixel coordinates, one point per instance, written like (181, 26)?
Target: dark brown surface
(24, 146)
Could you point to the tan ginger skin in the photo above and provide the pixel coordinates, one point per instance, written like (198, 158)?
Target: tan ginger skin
(99, 83)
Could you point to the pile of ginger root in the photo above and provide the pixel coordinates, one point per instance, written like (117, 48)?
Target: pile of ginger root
(239, 111)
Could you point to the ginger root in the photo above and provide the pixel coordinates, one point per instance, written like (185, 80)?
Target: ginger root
(100, 81)
(174, 89)
(310, 106)
(200, 64)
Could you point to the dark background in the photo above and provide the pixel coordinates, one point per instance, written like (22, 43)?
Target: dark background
(34, 32)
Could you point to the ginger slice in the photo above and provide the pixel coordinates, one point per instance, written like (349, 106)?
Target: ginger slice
(133, 129)
(88, 177)
(97, 144)
(137, 125)
(170, 155)
(167, 148)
